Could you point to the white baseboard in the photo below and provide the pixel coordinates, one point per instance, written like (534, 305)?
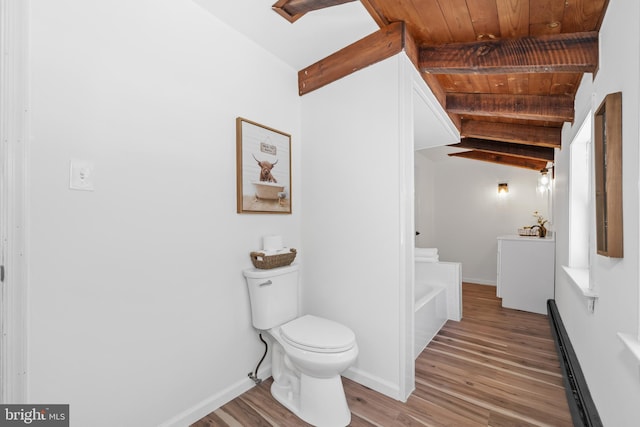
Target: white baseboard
(375, 383)
(210, 404)
(479, 281)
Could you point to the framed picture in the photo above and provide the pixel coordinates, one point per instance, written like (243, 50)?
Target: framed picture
(263, 157)
(608, 164)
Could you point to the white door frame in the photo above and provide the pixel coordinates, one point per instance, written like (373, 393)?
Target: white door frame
(13, 201)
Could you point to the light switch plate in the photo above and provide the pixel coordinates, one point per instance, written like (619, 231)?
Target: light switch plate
(81, 175)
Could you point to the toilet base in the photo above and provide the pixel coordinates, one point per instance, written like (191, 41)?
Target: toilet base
(320, 401)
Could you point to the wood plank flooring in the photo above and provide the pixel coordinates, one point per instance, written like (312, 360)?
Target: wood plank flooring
(497, 367)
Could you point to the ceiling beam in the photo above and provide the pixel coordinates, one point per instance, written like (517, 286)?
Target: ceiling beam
(520, 134)
(502, 159)
(291, 10)
(375, 47)
(567, 53)
(553, 108)
(517, 150)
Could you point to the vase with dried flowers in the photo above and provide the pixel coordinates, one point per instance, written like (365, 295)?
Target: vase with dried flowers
(542, 230)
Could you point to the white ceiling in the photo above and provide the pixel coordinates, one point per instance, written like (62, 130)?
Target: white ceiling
(311, 38)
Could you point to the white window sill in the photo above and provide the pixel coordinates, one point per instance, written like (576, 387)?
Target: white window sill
(580, 279)
(632, 344)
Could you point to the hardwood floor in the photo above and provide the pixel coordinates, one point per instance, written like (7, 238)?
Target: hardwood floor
(497, 367)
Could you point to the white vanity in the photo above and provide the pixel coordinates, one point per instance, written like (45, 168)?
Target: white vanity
(526, 272)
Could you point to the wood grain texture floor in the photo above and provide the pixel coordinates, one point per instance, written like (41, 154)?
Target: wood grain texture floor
(497, 367)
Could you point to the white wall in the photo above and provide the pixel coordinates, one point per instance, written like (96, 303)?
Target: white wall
(352, 216)
(611, 371)
(469, 215)
(138, 308)
(424, 201)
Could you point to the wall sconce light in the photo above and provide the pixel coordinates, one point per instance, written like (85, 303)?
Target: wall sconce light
(544, 181)
(544, 176)
(503, 189)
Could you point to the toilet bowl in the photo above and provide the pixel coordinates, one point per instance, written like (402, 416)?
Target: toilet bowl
(308, 354)
(320, 347)
(307, 374)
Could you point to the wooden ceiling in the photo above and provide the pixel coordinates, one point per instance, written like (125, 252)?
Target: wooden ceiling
(506, 71)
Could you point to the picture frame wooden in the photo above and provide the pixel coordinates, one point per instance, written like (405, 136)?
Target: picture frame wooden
(608, 176)
(263, 159)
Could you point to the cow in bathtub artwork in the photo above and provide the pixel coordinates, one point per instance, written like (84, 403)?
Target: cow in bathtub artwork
(267, 187)
(264, 169)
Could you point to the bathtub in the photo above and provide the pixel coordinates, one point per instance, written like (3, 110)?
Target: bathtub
(268, 190)
(430, 314)
(437, 298)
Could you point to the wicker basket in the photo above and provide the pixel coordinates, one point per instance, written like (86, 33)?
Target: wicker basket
(528, 232)
(266, 262)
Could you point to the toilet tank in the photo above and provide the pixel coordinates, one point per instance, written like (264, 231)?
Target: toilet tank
(273, 294)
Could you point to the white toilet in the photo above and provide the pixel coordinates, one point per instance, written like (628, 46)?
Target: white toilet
(309, 352)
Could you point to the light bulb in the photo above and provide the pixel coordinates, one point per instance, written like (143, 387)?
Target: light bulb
(544, 179)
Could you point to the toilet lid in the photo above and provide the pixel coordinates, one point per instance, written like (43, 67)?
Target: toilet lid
(317, 334)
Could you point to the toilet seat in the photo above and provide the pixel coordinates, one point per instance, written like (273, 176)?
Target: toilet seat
(317, 335)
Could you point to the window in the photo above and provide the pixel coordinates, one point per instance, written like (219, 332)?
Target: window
(579, 196)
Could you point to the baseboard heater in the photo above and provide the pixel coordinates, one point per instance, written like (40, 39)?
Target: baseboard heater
(583, 410)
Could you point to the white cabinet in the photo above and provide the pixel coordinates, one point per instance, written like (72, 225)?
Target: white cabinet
(526, 272)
